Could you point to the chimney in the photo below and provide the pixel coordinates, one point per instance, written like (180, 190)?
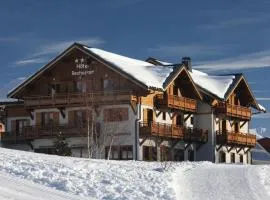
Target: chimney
(187, 62)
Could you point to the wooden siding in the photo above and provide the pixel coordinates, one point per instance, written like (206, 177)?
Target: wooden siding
(60, 76)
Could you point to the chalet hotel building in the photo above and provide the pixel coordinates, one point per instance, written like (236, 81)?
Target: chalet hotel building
(124, 108)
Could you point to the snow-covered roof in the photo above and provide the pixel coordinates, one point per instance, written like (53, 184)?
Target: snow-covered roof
(217, 85)
(147, 73)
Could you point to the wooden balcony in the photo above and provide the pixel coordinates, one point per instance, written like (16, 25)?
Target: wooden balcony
(233, 111)
(175, 102)
(236, 139)
(168, 131)
(111, 97)
(38, 132)
(196, 135)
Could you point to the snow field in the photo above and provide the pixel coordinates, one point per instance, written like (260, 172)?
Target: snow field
(25, 175)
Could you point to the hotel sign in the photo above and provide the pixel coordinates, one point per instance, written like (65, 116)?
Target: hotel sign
(82, 68)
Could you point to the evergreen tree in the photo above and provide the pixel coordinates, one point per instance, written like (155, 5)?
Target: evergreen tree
(61, 146)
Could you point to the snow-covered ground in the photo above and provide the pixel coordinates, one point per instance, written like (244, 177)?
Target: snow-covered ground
(26, 175)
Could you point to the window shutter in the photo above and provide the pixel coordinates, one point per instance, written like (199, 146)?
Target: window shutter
(38, 119)
(71, 118)
(145, 117)
(13, 125)
(56, 118)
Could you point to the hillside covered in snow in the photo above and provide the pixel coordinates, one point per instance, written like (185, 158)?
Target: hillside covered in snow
(26, 175)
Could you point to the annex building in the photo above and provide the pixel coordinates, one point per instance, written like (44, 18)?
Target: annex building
(108, 105)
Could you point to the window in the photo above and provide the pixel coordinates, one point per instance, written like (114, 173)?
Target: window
(179, 155)
(80, 118)
(47, 119)
(53, 89)
(119, 152)
(149, 153)
(241, 158)
(81, 86)
(164, 115)
(222, 157)
(165, 153)
(20, 124)
(232, 157)
(115, 114)
(126, 152)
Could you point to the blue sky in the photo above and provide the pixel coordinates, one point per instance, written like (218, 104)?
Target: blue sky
(219, 36)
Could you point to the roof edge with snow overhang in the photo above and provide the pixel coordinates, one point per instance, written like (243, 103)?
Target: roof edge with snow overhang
(61, 55)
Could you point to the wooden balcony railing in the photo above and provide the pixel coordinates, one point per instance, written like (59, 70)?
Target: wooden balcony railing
(172, 132)
(39, 132)
(236, 138)
(173, 101)
(80, 98)
(233, 110)
(196, 135)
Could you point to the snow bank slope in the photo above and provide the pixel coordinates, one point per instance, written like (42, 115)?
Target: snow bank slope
(17, 189)
(212, 182)
(98, 179)
(101, 179)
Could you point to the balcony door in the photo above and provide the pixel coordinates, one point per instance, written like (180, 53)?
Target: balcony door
(148, 115)
(223, 126)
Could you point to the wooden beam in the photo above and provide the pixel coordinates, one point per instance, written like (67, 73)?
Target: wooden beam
(217, 149)
(133, 105)
(187, 117)
(187, 145)
(198, 146)
(239, 149)
(30, 112)
(62, 111)
(247, 150)
(229, 149)
(143, 141)
(243, 124)
(174, 144)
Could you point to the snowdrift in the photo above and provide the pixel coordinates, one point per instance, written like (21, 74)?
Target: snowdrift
(72, 178)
